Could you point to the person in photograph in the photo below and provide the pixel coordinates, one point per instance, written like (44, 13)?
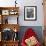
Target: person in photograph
(30, 13)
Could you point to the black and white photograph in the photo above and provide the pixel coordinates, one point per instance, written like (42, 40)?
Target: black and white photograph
(30, 12)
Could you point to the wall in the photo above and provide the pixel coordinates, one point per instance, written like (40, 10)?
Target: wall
(39, 21)
(21, 5)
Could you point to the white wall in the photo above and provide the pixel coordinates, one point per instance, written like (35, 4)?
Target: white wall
(21, 4)
(39, 21)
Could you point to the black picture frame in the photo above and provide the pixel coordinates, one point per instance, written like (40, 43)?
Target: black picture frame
(30, 13)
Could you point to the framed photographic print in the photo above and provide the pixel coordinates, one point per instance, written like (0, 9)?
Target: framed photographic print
(5, 12)
(30, 13)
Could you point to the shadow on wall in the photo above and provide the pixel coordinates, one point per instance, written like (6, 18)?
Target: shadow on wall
(37, 29)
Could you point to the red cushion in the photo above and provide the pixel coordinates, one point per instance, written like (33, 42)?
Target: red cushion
(29, 33)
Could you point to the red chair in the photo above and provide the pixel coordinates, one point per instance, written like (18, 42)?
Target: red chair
(29, 33)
